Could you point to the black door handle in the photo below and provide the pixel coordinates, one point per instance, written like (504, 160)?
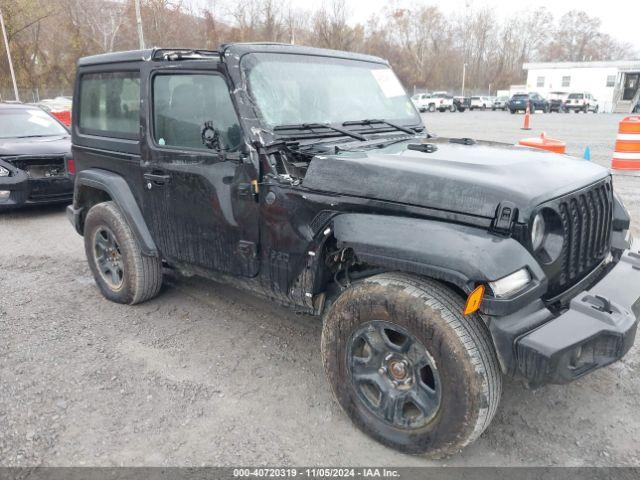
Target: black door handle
(157, 178)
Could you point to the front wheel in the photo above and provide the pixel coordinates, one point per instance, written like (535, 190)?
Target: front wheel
(123, 273)
(407, 367)
(452, 108)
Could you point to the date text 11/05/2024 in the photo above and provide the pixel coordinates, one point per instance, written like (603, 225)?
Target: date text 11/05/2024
(315, 473)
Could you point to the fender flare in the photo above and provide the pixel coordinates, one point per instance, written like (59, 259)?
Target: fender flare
(118, 189)
(458, 254)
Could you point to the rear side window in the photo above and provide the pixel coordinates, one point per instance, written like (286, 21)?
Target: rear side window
(110, 104)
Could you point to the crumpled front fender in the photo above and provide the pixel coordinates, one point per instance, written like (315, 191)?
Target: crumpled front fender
(458, 254)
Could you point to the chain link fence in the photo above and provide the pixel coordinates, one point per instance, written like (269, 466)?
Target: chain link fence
(28, 95)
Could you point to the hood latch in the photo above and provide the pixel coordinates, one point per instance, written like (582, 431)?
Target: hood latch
(506, 216)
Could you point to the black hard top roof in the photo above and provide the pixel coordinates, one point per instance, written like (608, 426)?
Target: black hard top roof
(237, 49)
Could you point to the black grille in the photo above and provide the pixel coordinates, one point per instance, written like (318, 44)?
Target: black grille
(39, 167)
(586, 224)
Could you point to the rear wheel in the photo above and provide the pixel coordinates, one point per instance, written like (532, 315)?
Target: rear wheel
(122, 272)
(452, 108)
(407, 367)
(432, 107)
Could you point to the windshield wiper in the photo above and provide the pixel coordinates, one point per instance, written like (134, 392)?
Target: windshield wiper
(311, 126)
(385, 122)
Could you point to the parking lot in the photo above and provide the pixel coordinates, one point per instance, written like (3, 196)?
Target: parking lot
(206, 374)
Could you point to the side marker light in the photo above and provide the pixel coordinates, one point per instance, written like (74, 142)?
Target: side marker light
(474, 300)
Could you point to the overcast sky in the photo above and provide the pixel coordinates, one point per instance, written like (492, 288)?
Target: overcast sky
(620, 18)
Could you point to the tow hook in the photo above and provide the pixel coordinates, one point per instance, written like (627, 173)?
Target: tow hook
(605, 306)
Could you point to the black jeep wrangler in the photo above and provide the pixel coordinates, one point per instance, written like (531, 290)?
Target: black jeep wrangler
(307, 177)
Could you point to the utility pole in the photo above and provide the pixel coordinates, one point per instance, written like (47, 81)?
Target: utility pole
(464, 73)
(6, 44)
(139, 24)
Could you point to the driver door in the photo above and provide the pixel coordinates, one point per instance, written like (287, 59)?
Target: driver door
(198, 202)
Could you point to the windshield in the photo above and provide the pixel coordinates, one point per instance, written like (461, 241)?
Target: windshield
(576, 95)
(23, 123)
(293, 89)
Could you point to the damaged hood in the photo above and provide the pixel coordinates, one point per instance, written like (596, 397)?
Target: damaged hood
(36, 146)
(470, 179)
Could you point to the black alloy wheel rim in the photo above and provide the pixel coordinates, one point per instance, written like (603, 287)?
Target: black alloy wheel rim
(394, 375)
(108, 257)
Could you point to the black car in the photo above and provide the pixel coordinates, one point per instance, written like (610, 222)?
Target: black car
(520, 101)
(307, 177)
(34, 150)
(462, 103)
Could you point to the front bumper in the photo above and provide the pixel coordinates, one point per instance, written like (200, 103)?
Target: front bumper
(598, 328)
(25, 190)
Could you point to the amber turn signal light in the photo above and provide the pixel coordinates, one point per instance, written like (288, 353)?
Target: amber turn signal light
(474, 300)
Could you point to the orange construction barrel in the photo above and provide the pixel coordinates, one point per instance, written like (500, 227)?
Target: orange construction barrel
(627, 152)
(544, 143)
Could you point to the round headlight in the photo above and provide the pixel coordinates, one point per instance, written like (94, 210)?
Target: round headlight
(537, 231)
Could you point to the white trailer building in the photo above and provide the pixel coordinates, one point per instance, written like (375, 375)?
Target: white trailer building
(613, 84)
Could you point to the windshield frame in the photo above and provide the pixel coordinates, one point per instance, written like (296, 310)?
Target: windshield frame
(23, 110)
(265, 126)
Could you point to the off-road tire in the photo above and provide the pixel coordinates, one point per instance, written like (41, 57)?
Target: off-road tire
(142, 274)
(432, 108)
(471, 380)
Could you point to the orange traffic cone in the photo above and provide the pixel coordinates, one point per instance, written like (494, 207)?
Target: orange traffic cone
(545, 143)
(527, 114)
(627, 152)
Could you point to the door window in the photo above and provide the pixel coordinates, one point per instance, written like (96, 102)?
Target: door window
(184, 103)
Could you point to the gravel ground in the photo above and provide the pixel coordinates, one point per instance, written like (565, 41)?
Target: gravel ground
(205, 374)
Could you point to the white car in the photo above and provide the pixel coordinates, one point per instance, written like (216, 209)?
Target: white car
(481, 102)
(581, 102)
(420, 100)
(58, 104)
(441, 101)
